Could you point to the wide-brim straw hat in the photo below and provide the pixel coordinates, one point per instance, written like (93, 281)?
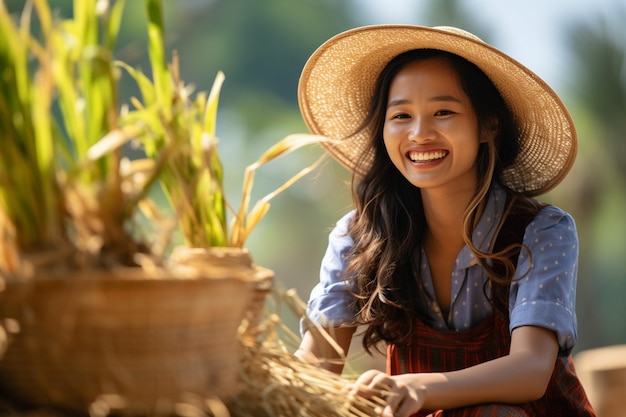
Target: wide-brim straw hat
(338, 80)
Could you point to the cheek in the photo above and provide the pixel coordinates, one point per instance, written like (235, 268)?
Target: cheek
(390, 136)
(394, 152)
(392, 130)
(391, 144)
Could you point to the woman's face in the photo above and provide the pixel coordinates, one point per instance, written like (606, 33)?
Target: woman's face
(430, 129)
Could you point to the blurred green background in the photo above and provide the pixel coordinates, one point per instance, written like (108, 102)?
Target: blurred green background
(577, 46)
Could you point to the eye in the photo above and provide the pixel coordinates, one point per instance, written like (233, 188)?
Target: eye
(444, 112)
(400, 116)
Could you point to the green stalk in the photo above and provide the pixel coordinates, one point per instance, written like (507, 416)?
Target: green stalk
(192, 175)
(27, 180)
(157, 53)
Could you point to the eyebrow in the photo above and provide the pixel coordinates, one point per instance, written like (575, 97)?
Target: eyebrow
(436, 98)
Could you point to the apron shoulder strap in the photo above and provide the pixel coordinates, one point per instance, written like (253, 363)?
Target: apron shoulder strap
(519, 213)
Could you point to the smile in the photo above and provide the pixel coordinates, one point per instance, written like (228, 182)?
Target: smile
(426, 156)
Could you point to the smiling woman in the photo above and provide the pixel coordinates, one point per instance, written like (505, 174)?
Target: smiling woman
(446, 259)
(437, 118)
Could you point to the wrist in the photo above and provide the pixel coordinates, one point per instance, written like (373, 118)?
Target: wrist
(428, 388)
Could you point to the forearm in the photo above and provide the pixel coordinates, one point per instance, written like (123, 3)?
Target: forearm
(521, 376)
(511, 379)
(316, 348)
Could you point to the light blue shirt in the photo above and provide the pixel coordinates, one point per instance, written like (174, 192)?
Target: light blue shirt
(545, 295)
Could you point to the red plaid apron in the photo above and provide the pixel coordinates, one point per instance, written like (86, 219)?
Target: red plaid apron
(435, 351)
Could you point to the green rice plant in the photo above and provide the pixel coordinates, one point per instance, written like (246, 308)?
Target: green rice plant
(68, 196)
(179, 128)
(61, 193)
(30, 201)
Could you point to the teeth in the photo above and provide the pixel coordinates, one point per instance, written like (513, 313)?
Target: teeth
(426, 156)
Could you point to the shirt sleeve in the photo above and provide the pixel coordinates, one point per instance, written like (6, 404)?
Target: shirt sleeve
(544, 291)
(330, 300)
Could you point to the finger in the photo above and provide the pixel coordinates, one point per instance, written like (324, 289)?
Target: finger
(387, 412)
(366, 391)
(368, 376)
(394, 401)
(406, 408)
(367, 383)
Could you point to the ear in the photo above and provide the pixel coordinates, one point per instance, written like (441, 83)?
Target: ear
(490, 130)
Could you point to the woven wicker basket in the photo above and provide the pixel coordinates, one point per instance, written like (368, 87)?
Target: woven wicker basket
(147, 340)
(261, 278)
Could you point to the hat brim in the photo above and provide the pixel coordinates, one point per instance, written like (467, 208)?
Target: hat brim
(337, 85)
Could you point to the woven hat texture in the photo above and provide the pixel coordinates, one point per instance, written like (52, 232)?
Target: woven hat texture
(337, 84)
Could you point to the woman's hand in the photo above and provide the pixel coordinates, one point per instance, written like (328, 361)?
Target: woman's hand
(403, 395)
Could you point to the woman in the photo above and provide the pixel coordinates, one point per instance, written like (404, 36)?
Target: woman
(445, 258)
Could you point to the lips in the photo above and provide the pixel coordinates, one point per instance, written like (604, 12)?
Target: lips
(427, 156)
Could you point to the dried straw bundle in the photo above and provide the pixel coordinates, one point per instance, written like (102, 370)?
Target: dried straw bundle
(278, 384)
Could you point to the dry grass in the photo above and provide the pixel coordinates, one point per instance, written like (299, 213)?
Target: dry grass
(277, 384)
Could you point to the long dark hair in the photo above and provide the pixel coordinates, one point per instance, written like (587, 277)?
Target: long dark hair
(389, 225)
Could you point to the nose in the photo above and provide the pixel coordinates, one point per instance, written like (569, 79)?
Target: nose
(421, 130)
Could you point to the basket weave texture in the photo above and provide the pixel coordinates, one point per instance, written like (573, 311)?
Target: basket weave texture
(145, 339)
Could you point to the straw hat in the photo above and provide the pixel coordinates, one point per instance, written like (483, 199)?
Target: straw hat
(337, 84)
